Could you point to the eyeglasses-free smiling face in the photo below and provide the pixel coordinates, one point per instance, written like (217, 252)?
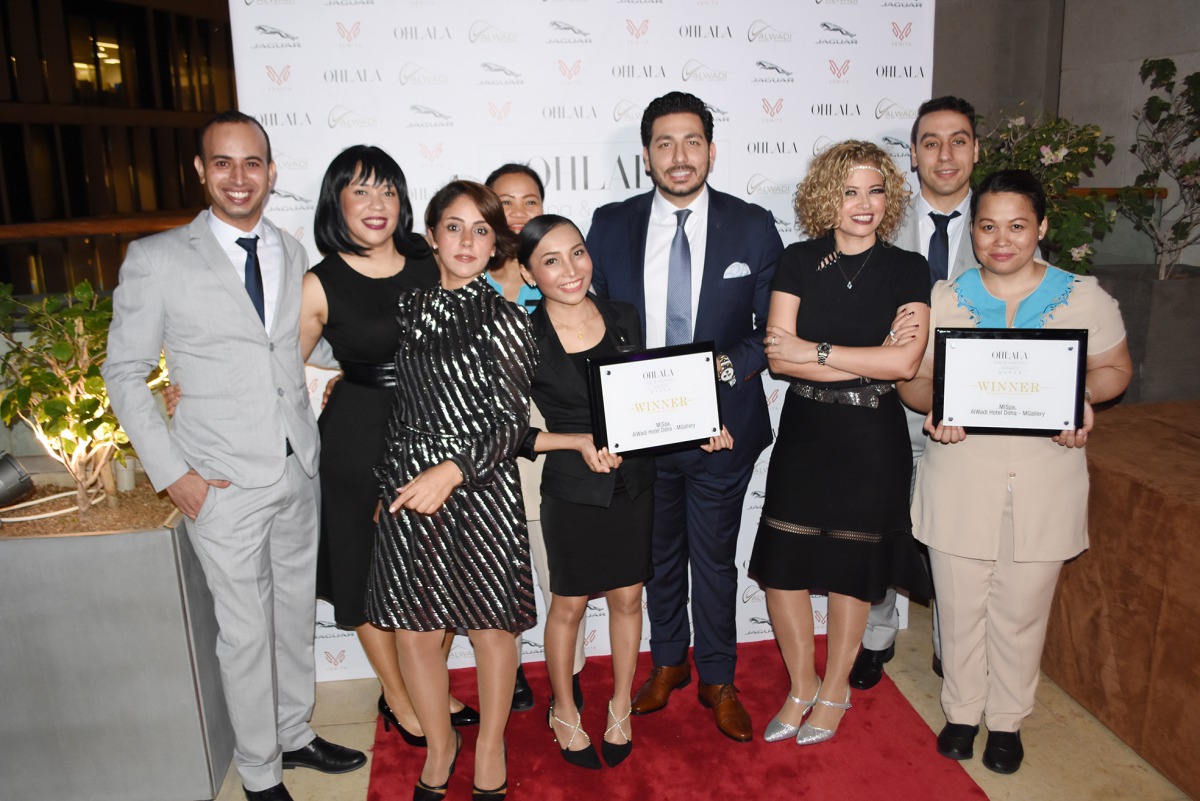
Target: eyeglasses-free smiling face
(679, 157)
(944, 156)
(463, 242)
(235, 173)
(1005, 232)
(863, 202)
(371, 212)
(561, 266)
(519, 196)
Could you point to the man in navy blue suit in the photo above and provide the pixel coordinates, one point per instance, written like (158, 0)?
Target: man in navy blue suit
(698, 265)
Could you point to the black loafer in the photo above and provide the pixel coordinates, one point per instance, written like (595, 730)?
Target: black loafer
(868, 667)
(324, 756)
(937, 666)
(276, 793)
(522, 693)
(957, 741)
(467, 716)
(1003, 753)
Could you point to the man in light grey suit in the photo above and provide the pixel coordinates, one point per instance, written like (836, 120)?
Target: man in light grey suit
(221, 297)
(943, 151)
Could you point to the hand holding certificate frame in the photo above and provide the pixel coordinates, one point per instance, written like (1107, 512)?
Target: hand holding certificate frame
(1009, 380)
(655, 401)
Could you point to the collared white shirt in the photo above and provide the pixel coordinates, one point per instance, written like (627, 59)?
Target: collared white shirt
(270, 258)
(955, 230)
(661, 232)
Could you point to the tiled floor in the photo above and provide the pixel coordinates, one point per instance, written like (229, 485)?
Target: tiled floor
(1069, 755)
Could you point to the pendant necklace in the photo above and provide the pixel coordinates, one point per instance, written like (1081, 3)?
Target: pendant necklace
(850, 281)
(579, 333)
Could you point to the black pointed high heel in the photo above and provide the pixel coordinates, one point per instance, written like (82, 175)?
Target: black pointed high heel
(489, 795)
(615, 753)
(390, 719)
(423, 792)
(585, 758)
(467, 716)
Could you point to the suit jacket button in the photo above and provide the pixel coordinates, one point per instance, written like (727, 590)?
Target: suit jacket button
(280, 392)
(271, 347)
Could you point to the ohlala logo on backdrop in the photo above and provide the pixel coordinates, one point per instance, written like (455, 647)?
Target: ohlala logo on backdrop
(763, 148)
(637, 29)
(901, 33)
(899, 71)
(772, 109)
(705, 32)
(839, 71)
(639, 71)
(365, 75)
(277, 119)
(760, 31)
(413, 33)
(575, 172)
(279, 76)
(569, 112)
(835, 110)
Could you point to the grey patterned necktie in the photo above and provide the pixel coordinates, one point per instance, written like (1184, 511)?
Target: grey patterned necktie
(679, 285)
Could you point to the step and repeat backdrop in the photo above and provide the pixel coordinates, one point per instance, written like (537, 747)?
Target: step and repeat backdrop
(454, 88)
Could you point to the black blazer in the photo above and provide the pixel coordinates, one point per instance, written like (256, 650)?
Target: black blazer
(562, 395)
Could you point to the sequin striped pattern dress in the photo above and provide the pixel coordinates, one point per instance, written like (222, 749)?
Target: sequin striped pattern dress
(465, 361)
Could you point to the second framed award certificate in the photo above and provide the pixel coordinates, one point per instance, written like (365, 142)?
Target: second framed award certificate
(1009, 380)
(655, 401)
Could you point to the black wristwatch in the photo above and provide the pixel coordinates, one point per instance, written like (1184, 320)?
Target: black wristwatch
(823, 351)
(725, 370)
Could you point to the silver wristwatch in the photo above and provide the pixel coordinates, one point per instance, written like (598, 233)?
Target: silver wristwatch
(725, 370)
(823, 351)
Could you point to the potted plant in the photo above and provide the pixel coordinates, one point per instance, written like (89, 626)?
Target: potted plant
(114, 626)
(1168, 128)
(1060, 153)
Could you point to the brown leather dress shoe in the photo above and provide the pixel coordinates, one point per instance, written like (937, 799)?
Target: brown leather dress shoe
(732, 718)
(652, 696)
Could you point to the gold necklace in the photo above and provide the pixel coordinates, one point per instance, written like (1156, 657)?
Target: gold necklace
(579, 333)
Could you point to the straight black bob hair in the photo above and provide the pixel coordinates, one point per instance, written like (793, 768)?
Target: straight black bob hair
(517, 169)
(1018, 182)
(363, 164)
(535, 231)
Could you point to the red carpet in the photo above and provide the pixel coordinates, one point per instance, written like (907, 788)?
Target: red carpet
(883, 750)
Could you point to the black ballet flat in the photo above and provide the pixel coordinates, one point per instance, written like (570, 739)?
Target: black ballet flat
(467, 716)
(390, 719)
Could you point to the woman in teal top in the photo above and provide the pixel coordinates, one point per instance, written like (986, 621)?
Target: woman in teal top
(521, 193)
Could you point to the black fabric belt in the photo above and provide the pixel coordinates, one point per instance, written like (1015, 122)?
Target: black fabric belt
(370, 374)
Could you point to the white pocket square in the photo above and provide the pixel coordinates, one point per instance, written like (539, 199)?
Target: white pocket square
(738, 269)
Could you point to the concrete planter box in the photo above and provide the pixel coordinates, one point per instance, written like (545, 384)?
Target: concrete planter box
(1163, 326)
(111, 688)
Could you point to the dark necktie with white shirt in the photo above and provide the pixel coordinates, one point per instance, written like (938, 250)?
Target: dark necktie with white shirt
(254, 279)
(939, 246)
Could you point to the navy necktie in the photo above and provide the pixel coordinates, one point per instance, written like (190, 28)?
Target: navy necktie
(939, 246)
(679, 285)
(254, 279)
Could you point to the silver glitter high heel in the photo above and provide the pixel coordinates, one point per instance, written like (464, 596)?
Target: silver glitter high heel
(778, 730)
(810, 734)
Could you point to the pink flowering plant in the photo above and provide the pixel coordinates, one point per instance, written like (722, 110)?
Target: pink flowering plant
(1060, 154)
(1168, 129)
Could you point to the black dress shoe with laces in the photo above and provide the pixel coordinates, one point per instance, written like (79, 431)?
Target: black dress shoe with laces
(1003, 753)
(276, 793)
(324, 756)
(868, 667)
(957, 741)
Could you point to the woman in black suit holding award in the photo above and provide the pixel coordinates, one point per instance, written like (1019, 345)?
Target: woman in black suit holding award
(597, 508)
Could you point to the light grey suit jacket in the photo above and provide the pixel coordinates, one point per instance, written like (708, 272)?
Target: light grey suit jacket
(244, 387)
(909, 238)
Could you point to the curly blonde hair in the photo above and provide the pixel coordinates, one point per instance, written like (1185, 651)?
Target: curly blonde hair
(818, 200)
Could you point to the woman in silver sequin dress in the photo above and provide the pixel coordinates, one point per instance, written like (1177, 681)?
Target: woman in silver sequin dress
(452, 550)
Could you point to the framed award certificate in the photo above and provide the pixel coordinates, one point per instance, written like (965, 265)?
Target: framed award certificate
(655, 401)
(1009, 380)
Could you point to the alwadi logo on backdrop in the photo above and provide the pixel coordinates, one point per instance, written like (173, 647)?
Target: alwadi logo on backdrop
(888, 109)
(821, 144)
(415, 33)
(637, 29)
(832, 33)
(839, 70)
(349, 32)
(760, 31)
(770, 72)
(570, 71)
(500, 113)
(626, 110)
(282, 160)
(413, 74)
(759, 184)
(279, 76)
(342, 117)
(901, 32)
(482, 31)
(566, 33)
(270, 2)
(499, 75)
(274, 39)
(772, 109)
(427, 117)
(695, 70)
